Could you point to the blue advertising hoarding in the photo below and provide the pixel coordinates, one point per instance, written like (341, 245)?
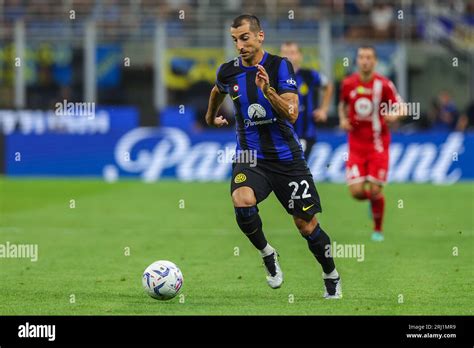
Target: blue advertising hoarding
(113, 145)
(40, 143)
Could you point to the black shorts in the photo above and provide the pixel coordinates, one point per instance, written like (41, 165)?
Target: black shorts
(291, 182)
(309, 143)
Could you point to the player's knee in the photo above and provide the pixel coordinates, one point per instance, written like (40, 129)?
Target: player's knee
(358, 193)
(375, 191)
(305, 227)
(244, 197)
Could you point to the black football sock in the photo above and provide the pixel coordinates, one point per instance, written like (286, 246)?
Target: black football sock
(250, 223)
(319, 244)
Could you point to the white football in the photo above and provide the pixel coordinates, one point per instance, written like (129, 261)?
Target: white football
(162, 280)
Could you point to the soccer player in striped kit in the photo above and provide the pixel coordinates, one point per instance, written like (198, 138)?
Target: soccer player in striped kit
(264, 91)
(310, 83)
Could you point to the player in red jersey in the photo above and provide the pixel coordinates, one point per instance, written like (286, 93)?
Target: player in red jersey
(368, 101)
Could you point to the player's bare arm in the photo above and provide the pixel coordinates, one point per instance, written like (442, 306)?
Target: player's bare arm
(286, 104)
(215, 101)
(343, 120)
(321, 113)
(398, 112)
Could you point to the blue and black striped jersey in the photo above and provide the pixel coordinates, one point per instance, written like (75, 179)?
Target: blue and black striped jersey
(309, 82)
(258, 125)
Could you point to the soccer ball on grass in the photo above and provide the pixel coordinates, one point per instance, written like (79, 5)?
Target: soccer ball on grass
(162, 280)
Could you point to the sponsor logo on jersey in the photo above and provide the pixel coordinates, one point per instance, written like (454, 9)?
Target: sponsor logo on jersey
(290, 81)
(256, 111)
(249, 123)
(363, 90)
(363, 107)
(360, 90)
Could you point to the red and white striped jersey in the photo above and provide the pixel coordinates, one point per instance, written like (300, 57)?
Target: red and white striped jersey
(368, 102)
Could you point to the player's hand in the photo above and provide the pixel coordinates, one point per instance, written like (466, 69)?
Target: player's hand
(390, 119)
(345, 124)
(320, 115)
(261, 79)
(220, 121)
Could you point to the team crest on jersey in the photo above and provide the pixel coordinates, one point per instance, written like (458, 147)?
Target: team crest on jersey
(236, 88)
(303, 89)
(256, 111)
(240, 178)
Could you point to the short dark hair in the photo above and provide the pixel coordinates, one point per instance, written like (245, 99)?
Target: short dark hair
(254, 22)
(368, 47)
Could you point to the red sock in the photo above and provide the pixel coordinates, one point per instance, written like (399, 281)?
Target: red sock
(378, 205)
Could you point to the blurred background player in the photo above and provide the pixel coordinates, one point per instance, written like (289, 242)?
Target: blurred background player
(309, 83)
(363, 98)
(264, 92)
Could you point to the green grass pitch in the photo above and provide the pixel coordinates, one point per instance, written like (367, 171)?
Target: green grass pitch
(425, 265)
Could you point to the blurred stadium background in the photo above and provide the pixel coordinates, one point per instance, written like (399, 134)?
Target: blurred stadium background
(150, 63)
